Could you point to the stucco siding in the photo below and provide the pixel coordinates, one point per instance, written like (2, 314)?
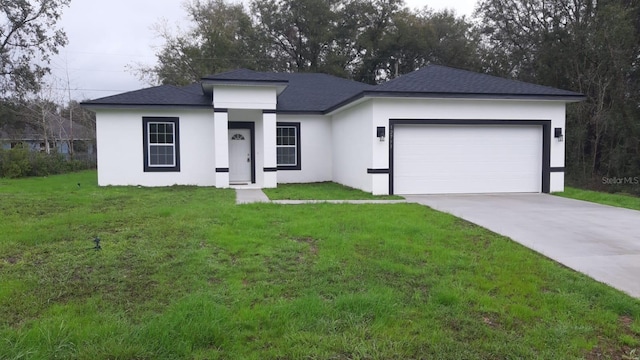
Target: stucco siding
(465, 109)
(316, 149)
(353, 136)
(244, 97)
(120, 140)
(340, 147)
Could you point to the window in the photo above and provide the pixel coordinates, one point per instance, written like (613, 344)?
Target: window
(161, 144)
(288, 146)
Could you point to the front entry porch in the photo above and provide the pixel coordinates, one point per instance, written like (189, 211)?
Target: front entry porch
(245, 148)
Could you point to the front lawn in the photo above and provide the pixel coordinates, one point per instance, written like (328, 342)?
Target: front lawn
(322, 191)
(185, 273)
(619, 200)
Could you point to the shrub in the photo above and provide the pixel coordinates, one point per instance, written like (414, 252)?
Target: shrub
(15, 163)
(20, 162)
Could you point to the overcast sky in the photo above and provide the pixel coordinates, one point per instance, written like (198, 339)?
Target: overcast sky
(108, 36)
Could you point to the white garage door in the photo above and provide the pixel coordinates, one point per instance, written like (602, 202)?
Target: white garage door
(451, 159)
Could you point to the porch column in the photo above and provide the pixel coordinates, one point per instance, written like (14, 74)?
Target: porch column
(269, 151)
(221, 143)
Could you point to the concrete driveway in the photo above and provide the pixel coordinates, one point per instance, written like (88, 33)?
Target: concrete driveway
(598, 240)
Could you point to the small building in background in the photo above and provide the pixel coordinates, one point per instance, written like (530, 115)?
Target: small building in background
(56, 136)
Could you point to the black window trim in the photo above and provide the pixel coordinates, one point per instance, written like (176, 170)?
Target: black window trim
(145, 143)
(298, 165)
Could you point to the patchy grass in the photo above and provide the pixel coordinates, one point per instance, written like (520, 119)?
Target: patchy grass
(619, 200)
(322, 191)
(185, 273)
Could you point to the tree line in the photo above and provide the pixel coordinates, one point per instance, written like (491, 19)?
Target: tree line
(363, 40)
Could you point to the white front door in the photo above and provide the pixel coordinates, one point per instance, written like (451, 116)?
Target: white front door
(239, 156)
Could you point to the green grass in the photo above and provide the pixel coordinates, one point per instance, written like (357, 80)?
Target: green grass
(185, 273)
(619, 200)
(322, 191)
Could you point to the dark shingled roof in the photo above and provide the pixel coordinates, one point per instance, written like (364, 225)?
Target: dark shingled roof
(322, 93)
(305, 92)
(309, 92)
(436, 79)
(164, 95)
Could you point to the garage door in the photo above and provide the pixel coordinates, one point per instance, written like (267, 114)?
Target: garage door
(453, 159)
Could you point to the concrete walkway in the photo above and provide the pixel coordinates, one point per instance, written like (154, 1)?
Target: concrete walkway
(248, 196)
(598, 240)
(298, 202)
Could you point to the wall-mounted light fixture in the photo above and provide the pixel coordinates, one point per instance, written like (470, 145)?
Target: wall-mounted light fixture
(558, 134)
(380, 133)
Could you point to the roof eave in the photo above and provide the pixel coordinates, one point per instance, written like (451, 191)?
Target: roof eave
(497, 96)
(94, 106)
(300, 112)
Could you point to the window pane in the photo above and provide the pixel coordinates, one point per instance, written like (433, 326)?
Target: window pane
(286, 156)
(153, 155)
(161, 133)
(285, 135)
(167, 158)
(160, 155)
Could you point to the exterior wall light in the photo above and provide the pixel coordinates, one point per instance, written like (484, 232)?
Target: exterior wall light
(380, 132)
(558, 134)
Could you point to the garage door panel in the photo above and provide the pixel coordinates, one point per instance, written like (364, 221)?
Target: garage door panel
(440, 159)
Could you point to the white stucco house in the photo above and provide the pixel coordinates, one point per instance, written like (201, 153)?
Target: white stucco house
(437, 130)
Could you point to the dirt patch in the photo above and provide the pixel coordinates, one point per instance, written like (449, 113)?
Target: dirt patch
(313, 247)
(605, 352)
(12, 260)
(487, 320)
(626, 321)
(608, 349)
(81, 275)
(481, 241)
